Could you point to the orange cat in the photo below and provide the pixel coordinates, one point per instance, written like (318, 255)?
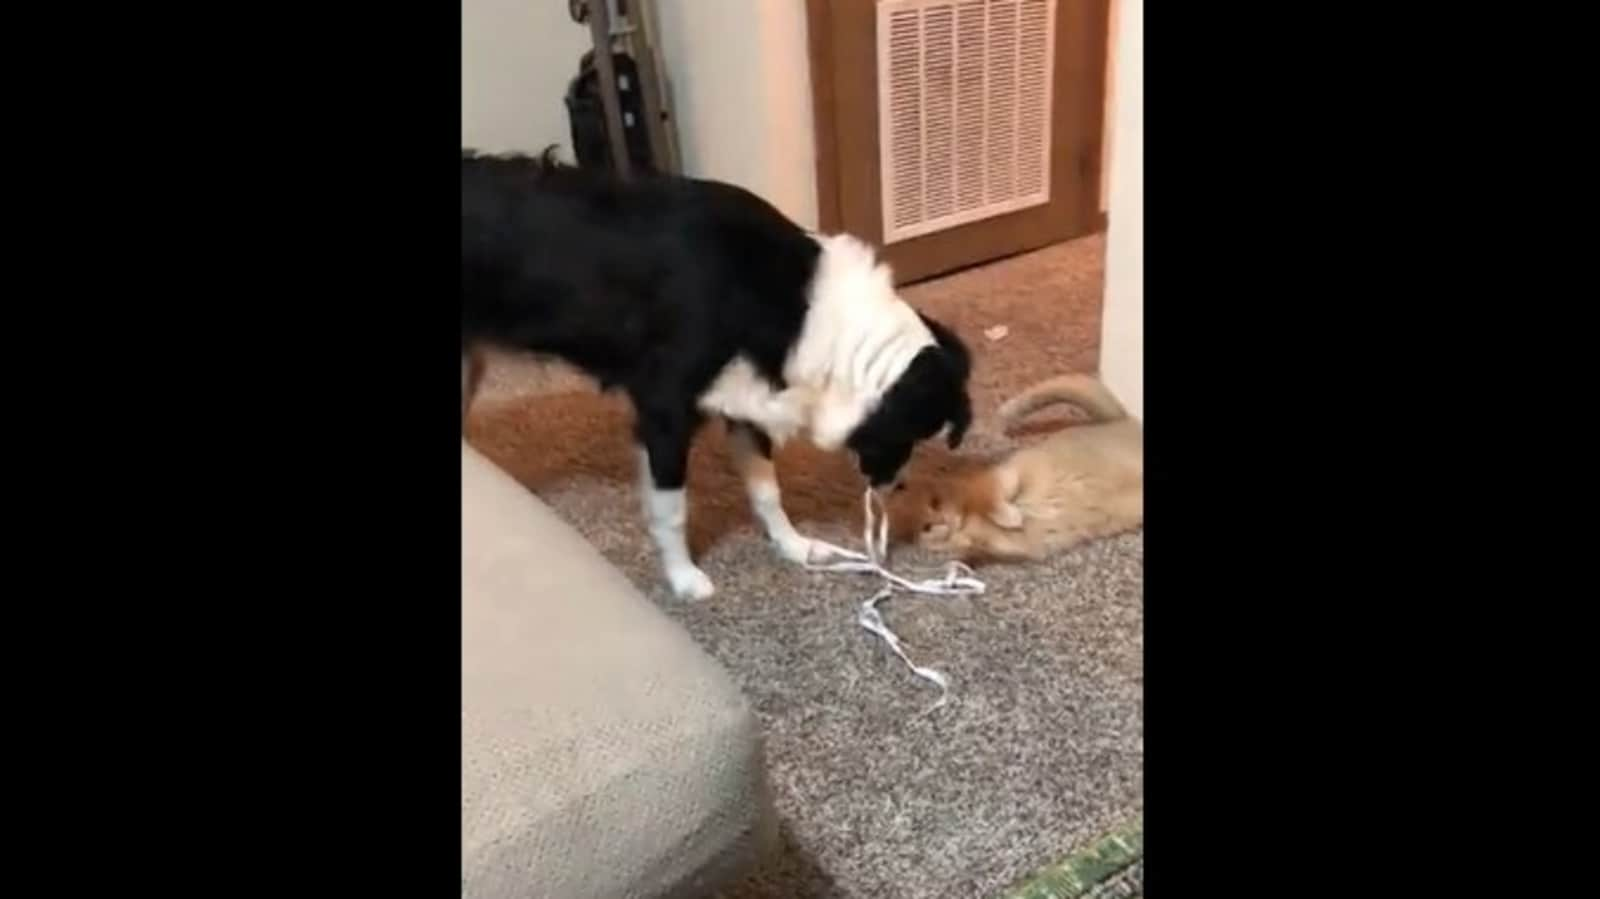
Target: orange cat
(1084, 482)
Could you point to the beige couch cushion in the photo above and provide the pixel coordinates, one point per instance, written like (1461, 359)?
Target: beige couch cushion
(603, 754)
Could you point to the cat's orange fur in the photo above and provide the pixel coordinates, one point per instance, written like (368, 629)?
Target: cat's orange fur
(1083, 482)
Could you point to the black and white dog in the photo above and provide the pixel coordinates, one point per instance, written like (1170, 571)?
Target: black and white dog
(699, 299)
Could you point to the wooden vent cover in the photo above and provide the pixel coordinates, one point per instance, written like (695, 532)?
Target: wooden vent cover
(963, 110)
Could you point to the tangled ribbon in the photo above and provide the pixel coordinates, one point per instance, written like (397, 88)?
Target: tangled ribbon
(958, 580)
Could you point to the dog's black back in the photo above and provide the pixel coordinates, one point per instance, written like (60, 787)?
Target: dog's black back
(650, 283)
(654, 286)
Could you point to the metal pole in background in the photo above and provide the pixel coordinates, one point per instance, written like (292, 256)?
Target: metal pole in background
(600, 35)
(663, 146)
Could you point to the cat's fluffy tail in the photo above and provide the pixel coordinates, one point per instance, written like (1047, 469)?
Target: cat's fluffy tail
(1084, 391)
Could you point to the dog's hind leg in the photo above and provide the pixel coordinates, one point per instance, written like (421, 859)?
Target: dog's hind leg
(472, 366)
(664, 439)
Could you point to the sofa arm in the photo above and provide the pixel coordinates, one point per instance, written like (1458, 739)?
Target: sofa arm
(603, 753)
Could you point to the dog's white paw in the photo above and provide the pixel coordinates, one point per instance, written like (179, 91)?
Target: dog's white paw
(810, 551)
(691, 584)
(795, 549)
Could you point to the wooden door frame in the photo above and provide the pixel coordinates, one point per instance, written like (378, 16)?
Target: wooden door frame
(819, 37)
(835, 27)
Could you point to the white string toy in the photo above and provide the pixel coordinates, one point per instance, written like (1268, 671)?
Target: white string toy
(958, 580)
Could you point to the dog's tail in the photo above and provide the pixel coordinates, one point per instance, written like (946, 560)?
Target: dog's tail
(1084, 391)
(543, 164)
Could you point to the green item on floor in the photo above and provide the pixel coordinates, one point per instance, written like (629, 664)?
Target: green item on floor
(1111, 867)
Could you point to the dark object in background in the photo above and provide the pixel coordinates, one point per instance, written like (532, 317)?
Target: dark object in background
(588, 119)
(617, 106)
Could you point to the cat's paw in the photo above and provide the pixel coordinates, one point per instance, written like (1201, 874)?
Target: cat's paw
(1007, 516)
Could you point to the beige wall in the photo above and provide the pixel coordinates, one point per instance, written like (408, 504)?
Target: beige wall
(741, 80)
(517, 57)
(1122, 328)
(738, 75)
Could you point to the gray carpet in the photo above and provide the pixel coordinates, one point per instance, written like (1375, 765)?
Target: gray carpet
(1040, 749)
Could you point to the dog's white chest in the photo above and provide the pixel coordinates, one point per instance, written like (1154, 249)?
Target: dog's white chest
(740, 392)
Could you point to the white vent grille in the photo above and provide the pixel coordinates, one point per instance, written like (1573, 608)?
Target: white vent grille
(963, 110)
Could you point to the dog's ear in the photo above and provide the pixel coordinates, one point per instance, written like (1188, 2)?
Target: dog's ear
(956, 354)
(957, 361)
(960, 421)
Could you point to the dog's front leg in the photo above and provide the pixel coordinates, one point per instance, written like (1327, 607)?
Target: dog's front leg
(663, 469)
(752, 457)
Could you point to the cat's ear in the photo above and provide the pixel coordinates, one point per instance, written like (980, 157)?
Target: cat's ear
(1007, 516)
